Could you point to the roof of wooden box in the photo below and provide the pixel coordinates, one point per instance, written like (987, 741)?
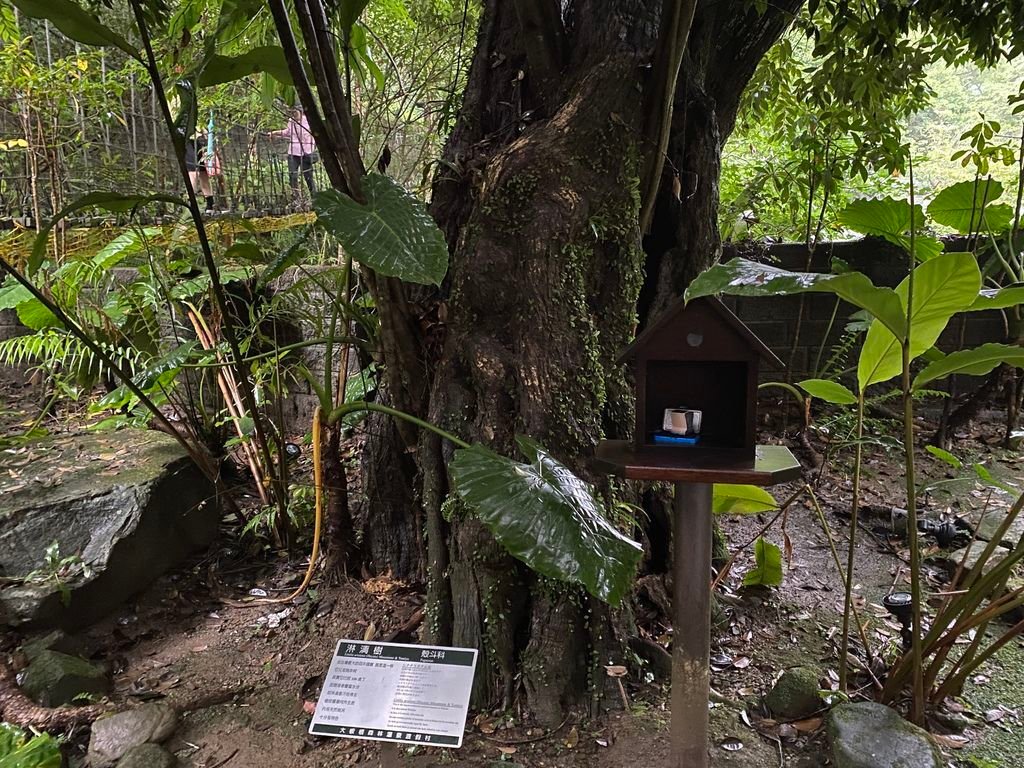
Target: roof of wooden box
(705, 305)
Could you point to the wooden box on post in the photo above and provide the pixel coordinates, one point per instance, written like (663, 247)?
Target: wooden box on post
(699, 356)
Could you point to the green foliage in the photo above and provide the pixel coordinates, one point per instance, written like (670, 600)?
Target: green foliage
(971, 362)
(890, 219)
(767, 570)
(728, 499)
(19, 749)
(742, 277)
(828, 391)
(968, 207)
(265, 58)
(943, 286)
(547, 517)
(71, 19)
(393, 233)
(57, 570)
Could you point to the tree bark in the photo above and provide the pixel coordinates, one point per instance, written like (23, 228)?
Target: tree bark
(539, 198)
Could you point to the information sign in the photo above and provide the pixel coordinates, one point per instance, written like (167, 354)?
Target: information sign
(413, 694)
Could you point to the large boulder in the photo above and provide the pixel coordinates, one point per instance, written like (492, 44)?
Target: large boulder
(88, 520)
(869, 735)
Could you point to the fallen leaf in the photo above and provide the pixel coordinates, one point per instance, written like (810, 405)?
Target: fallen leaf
(953, 741)
(809, 725)
(573, 738)
(309, 707)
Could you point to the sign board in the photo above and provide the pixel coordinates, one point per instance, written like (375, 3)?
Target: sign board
(413, 694)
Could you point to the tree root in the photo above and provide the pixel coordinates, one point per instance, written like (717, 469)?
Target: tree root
(18, 709)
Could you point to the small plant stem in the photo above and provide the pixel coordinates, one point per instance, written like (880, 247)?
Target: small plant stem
(917, 700)
(824, 339)
(230, 394)
(839, 568)
(852, 551)
(361, 405)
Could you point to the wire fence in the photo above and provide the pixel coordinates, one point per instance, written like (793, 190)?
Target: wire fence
(70, 132)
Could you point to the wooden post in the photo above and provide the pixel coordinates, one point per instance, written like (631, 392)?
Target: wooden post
(691, 623)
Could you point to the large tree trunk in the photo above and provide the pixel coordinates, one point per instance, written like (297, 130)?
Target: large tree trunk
(539, 200)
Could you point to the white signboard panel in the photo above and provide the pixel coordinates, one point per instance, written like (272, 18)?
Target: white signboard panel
(414, 694)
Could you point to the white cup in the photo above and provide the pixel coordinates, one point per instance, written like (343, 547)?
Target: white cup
(681, 421)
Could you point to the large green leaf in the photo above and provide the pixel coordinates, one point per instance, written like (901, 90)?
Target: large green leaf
(349, 12)
(19, 750)
(741, 277)
(971, 362)
(829, 391)
(547, 517)
(767, 571)
(890, 219)
(943, 286)
(393, 234)
(77, 23)
(731, 499)
(998, 298)
(110, 201)
(225, 69)
(967, 207)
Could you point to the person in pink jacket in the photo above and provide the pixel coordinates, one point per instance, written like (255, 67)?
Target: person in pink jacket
(300, 151)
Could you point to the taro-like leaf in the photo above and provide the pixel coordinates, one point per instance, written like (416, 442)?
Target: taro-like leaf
(729, 499)
(967, 207)
(767, 571)
(890, 219)
(971, 362)
(741, 277)
(828, 391)
(77, 23)
(943, 286)
(547, 517)
(392, 234)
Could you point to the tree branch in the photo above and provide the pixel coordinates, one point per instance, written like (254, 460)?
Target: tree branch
(332, 164)
(668, 58)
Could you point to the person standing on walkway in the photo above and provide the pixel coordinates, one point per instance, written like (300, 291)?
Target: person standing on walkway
(300, 151)
(195, 164)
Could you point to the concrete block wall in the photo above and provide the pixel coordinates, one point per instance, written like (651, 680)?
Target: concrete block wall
(775, 319)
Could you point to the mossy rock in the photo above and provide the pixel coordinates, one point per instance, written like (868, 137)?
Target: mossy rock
(796, 695)
(147, 756)
(55, 678)
(869, 735)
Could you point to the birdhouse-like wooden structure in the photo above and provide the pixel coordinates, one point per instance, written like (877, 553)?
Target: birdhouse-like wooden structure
(701, 357)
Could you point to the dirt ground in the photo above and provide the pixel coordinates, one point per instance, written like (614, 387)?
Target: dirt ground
(248, 675)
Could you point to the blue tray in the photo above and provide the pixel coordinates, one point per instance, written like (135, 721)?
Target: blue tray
(663, 438)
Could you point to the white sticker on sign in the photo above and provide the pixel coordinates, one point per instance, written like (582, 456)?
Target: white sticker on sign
(412, 694)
